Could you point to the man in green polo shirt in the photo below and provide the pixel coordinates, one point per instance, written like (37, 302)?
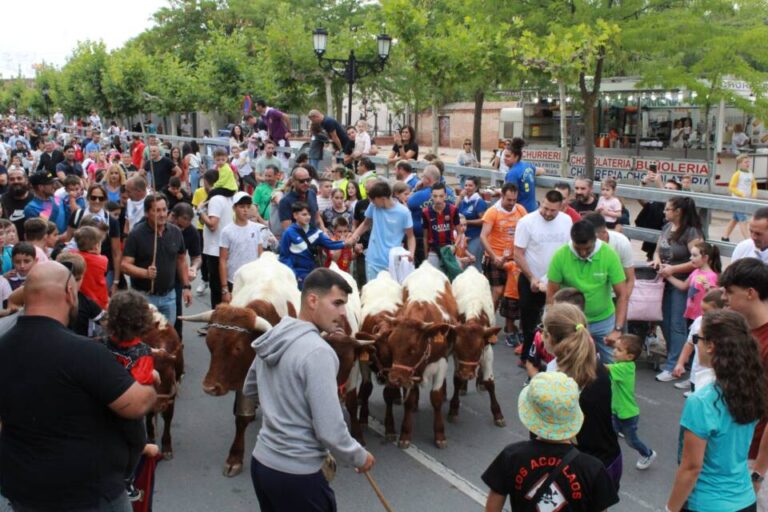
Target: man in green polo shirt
(592, 267)
(262, 195)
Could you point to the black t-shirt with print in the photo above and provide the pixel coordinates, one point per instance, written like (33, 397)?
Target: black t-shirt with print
(519, 470)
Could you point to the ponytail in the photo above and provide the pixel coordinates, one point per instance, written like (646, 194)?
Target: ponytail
(712, 252)
(571, 343)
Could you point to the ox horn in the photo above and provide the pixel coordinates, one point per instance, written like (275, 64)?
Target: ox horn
(205, 316)
(364, 343)
(261, 325)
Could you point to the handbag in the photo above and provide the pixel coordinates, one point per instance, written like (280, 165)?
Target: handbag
(645, 301)
(543, 488)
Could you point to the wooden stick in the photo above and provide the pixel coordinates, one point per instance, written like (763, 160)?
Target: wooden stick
(154, 250)
(378, 492)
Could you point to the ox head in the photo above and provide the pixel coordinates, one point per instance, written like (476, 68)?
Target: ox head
(471, 339)
(230, 333)
(412, 342)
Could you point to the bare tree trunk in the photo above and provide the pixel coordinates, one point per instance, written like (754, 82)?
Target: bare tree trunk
(173, 124)
(435, 125)
(477, 126)
(563, 129)
(588, 98)
(328, 94)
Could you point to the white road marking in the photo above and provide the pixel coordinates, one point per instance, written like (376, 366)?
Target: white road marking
(438, 468)
(637, 500)
(646, 399)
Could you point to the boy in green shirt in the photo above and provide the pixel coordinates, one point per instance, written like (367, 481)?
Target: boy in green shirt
(626, 413)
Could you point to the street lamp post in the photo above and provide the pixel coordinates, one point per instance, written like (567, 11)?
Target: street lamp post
(350, 69)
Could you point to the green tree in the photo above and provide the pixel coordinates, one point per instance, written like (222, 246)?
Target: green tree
(125, 80)
(81, 79)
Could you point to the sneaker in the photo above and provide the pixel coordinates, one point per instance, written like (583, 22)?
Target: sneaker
(645, 462)
(665, 376)
(621, 435)
(686, 384)
(687, 394)
(201, 288)
(510, 340)
(725, 239)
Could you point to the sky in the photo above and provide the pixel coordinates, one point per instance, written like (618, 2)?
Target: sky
(52, 30)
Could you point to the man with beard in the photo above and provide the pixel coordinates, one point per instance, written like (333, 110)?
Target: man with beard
(69, 166)
(154, 275)
(15, 200)
(584, 200)
(63, 399)
(43, 204)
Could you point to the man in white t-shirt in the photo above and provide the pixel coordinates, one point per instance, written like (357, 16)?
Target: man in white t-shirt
(215, 214)
(537, 236)
(241, 242)
(756, 246)
(136, 188)
(618, 242)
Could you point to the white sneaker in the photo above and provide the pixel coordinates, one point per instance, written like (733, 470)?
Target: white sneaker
(201, 288)
(685, 384)
(687, 394)
(665, 376)
(645, 462)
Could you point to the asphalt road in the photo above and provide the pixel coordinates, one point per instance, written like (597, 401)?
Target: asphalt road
(421, 478)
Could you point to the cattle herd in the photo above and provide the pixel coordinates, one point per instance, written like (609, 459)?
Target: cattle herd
(401, 336)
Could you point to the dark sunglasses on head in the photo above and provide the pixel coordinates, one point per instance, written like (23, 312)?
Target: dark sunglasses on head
(96, 198)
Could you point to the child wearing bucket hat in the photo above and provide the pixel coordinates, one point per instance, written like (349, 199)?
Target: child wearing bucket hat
(549, 469)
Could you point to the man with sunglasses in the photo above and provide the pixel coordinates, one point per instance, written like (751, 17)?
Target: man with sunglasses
(301, 191)
(62, 398)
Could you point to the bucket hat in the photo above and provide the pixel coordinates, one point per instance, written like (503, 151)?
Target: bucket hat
(549, 406)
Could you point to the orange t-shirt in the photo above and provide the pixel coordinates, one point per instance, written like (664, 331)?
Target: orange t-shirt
(94, 285)
(510, 287)
(502, 235)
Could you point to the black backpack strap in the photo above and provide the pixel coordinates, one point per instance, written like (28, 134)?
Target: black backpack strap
(303, 235)
(559, 469)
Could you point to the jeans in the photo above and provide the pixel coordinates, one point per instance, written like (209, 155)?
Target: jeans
(316, 164)
(599, 330)
(673, 325)
(628, 427)
(110, 279)
(531, 306)
(194, 179)
(117, 504)
(278, 491)
(475, 248)
(371, 270)
(165, 304)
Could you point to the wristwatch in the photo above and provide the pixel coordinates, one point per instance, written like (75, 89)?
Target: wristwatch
(757, 477)
(186, 287)
(618, 327)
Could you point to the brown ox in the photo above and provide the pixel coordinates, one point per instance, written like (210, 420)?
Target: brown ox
(264, 291)
(168, 355)
(231, 330)
(472, 350)
(420, 342)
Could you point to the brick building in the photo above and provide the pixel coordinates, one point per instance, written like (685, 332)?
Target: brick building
(456, 122)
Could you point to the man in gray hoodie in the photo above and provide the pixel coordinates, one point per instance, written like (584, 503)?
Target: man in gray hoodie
(294, 378)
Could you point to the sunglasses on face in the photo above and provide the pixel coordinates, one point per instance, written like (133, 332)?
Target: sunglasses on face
(305, 180)
(97, 199)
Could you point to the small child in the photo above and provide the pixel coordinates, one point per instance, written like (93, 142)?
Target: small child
(89, 314)
(711, 301)
(35, 231)
(538, 357)
(362, 139)
(705, 259)
(52, 243)
(114, 209)
(94, 285)
(743, 184)
(226, 185)
(342, 257)
(401, 191)
(300, 241)
(509, 308)
(23, 259)
(73, 196)
(129, 317)
(325, 187)
(626, 413)
(5, 245)
(608, 205)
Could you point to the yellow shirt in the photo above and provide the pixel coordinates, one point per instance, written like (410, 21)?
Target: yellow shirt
(198, 198)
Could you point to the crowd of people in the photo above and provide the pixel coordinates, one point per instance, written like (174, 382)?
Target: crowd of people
(132, 221)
